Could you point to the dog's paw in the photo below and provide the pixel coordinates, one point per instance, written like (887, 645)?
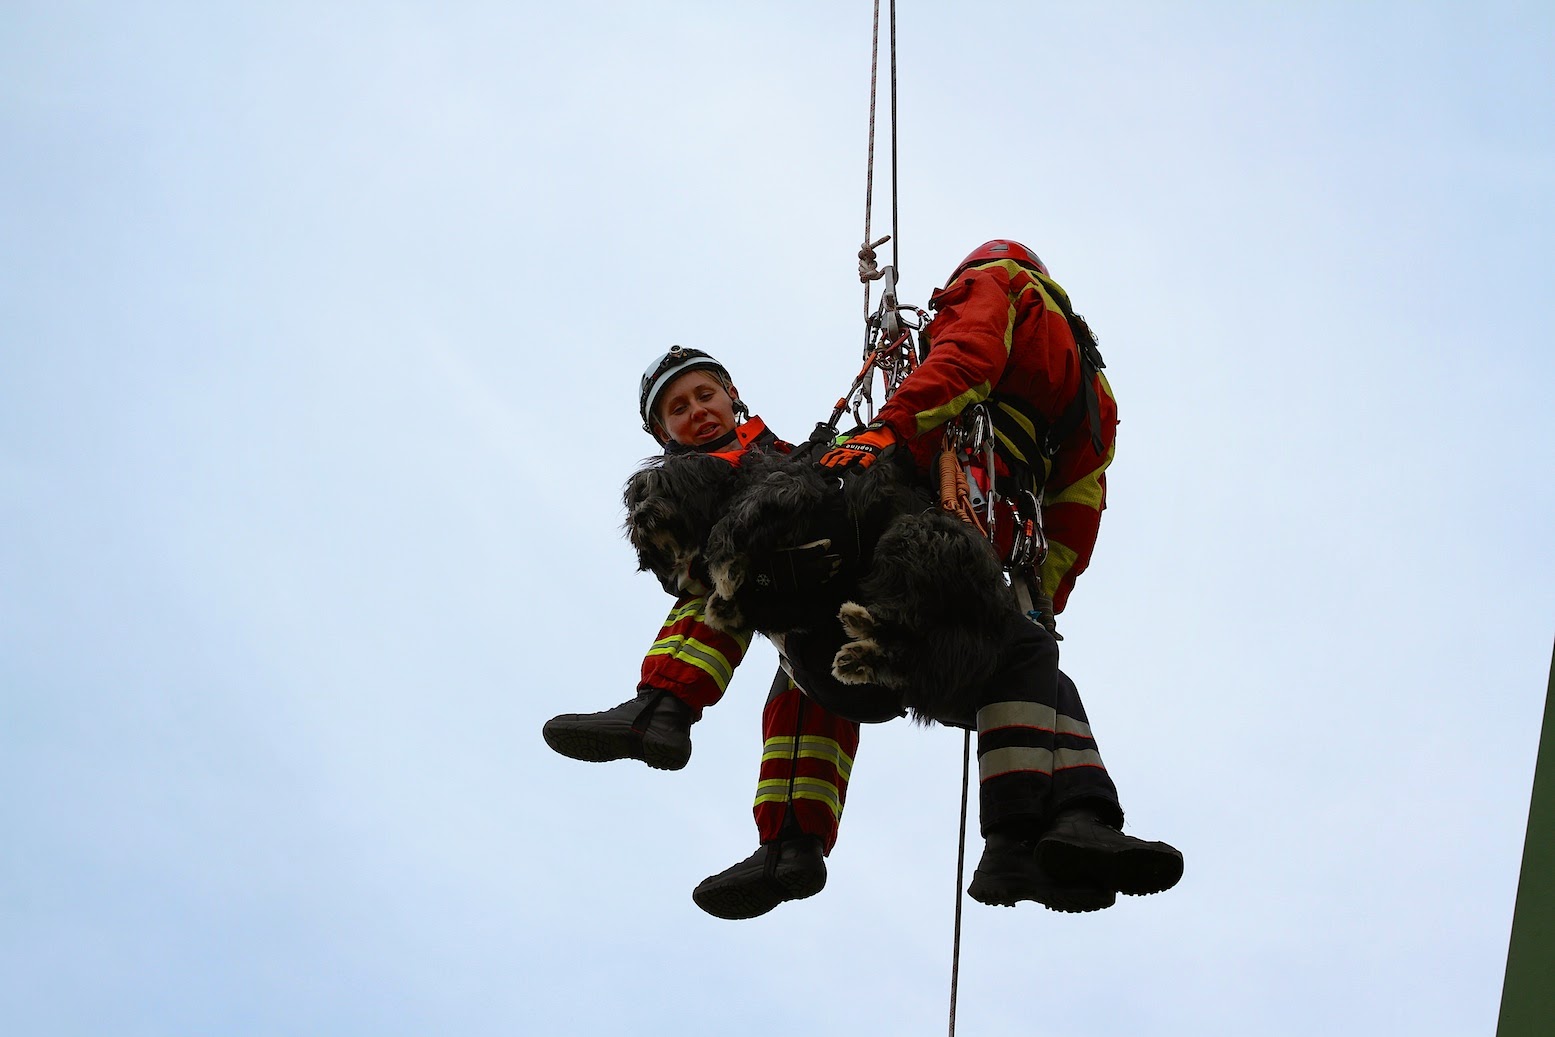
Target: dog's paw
(724, 615)
(856, 621)
(858, 662)
(728, 576)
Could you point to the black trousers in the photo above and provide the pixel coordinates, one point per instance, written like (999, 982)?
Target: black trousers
(1036, 753)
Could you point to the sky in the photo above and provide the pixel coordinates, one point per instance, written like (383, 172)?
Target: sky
(320, 332)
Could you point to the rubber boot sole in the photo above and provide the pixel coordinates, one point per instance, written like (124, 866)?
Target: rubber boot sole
(598, 743)
(747, 891)
(1138, 870)
(998, 889)
(751, 899)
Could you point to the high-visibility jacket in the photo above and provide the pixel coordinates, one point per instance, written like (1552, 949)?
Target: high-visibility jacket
(807, 752)
(999, 337)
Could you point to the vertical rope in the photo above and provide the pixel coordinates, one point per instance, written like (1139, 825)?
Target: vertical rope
(955, 953)
(896, 235)
(869, 172)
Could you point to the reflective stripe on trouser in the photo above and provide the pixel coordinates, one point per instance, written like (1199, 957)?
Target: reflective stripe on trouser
(690, 659)
(806, 759)
(1035, 750)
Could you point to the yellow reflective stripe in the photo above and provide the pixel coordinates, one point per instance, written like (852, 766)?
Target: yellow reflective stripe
(1045, 287)
(695, 608)
(1085, 490)
(775, 790)
(1051, 286)
(1059, 560)
(827, 749)
(819, 791)
(1042, 293)
(1020, 420)
(810, 748)
(1106, 386)
(772, 790)
(689, 650)
(936, 416)
(1018, 274)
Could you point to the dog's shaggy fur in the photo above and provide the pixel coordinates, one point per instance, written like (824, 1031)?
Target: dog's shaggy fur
(914, 597)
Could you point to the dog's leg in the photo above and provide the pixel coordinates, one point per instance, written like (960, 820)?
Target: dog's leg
(856, 621)
(723, 614)
(861, 660)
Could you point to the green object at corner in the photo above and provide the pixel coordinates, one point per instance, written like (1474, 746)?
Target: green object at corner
(1528, 995)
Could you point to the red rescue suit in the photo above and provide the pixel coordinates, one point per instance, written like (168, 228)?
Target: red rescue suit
(807, 752)
(999, 337)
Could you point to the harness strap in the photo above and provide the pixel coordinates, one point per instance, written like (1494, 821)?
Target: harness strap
(1085, 406)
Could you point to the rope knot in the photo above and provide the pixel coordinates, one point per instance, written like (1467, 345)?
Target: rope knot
(868, 265)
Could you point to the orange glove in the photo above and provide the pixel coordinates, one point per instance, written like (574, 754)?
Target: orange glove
(860, 452)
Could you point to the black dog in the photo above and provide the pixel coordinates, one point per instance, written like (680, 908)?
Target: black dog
(879, 601)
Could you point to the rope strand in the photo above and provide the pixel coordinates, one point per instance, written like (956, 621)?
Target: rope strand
(896, 236)
(955, 954)
(962, 498)
(869, 171)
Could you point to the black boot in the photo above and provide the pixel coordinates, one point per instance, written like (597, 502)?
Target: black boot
(789, 868)
(1080, 847)
(1009, 872)
(654, 727)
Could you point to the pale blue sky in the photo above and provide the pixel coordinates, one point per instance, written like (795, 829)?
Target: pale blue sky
(319, 335)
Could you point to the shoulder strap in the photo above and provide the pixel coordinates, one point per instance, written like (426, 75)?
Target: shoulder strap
(1085, 406)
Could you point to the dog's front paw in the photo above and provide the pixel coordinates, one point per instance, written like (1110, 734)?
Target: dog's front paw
(856, 621)
(858, 662)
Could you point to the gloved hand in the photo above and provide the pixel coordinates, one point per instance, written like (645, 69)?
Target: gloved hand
(1042, 613)
(860, 452)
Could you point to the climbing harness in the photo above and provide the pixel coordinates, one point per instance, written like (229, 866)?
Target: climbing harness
(967, 487)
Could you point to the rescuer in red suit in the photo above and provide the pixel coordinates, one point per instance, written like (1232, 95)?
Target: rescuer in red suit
(688, 401)
(1004, 336)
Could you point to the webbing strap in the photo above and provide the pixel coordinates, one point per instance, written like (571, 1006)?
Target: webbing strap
(1085, 405)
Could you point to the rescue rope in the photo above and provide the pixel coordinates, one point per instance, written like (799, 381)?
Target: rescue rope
(955, 494)
(867, 251)
(955, 498)
(869, 166)
(955, 954)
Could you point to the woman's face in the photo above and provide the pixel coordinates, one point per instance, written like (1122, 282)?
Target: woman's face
(697, 409)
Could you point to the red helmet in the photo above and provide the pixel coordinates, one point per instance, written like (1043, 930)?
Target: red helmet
(989, 251)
